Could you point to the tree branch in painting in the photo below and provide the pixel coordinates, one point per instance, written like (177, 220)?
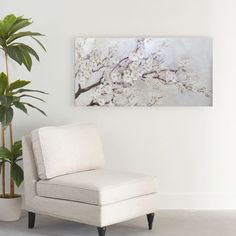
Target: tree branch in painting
(84, 90)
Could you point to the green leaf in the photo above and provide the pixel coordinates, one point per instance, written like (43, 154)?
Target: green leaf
(27, 61)
(26, 95)
(20, 55)
(5, 153)
(15, 99)
(29, 90)
(39, 43)
(2, 31)
(9, 116)
(6, 115)
(29, 50)
(16, 150)
(19, 18)
(3, 83)
(16, 146)
(17, 174)
(19, 24)
(2, 113)
(8, 21)
(22, 34)
(21, 106)
(18, 84)
(32, 106)
(15, 53)
(6, 100)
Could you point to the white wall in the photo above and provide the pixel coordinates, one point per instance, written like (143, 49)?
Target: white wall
(190, 149)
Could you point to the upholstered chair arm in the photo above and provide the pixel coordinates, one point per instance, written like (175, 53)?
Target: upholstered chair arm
(30, 173)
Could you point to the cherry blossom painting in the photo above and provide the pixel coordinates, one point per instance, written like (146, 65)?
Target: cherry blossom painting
(143, 71)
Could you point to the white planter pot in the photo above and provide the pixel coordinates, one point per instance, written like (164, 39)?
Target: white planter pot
(10, 209)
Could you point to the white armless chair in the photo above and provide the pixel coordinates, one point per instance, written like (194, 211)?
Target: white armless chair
(64, 177)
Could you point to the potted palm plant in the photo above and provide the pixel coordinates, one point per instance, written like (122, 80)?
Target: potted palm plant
(14, 95)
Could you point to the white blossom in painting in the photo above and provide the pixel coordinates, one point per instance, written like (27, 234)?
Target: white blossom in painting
(143, 72)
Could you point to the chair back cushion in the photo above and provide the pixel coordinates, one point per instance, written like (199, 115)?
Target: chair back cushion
(67, 149)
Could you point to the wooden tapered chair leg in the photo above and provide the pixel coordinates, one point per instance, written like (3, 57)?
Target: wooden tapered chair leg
(101, 231)
(150, 218)
(31, 220)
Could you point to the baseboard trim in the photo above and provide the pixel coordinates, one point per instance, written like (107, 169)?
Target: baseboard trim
(202, 201)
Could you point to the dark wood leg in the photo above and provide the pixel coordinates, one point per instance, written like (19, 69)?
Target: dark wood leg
(31, 220)
(150, 218)
(101, 231)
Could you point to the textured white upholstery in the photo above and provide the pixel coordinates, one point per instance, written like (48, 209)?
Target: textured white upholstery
(67, 149)
(30, 172)
(115, 196)
(98, 187)
(93, 214)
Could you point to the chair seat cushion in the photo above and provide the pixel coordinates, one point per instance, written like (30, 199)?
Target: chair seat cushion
(97, 187)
